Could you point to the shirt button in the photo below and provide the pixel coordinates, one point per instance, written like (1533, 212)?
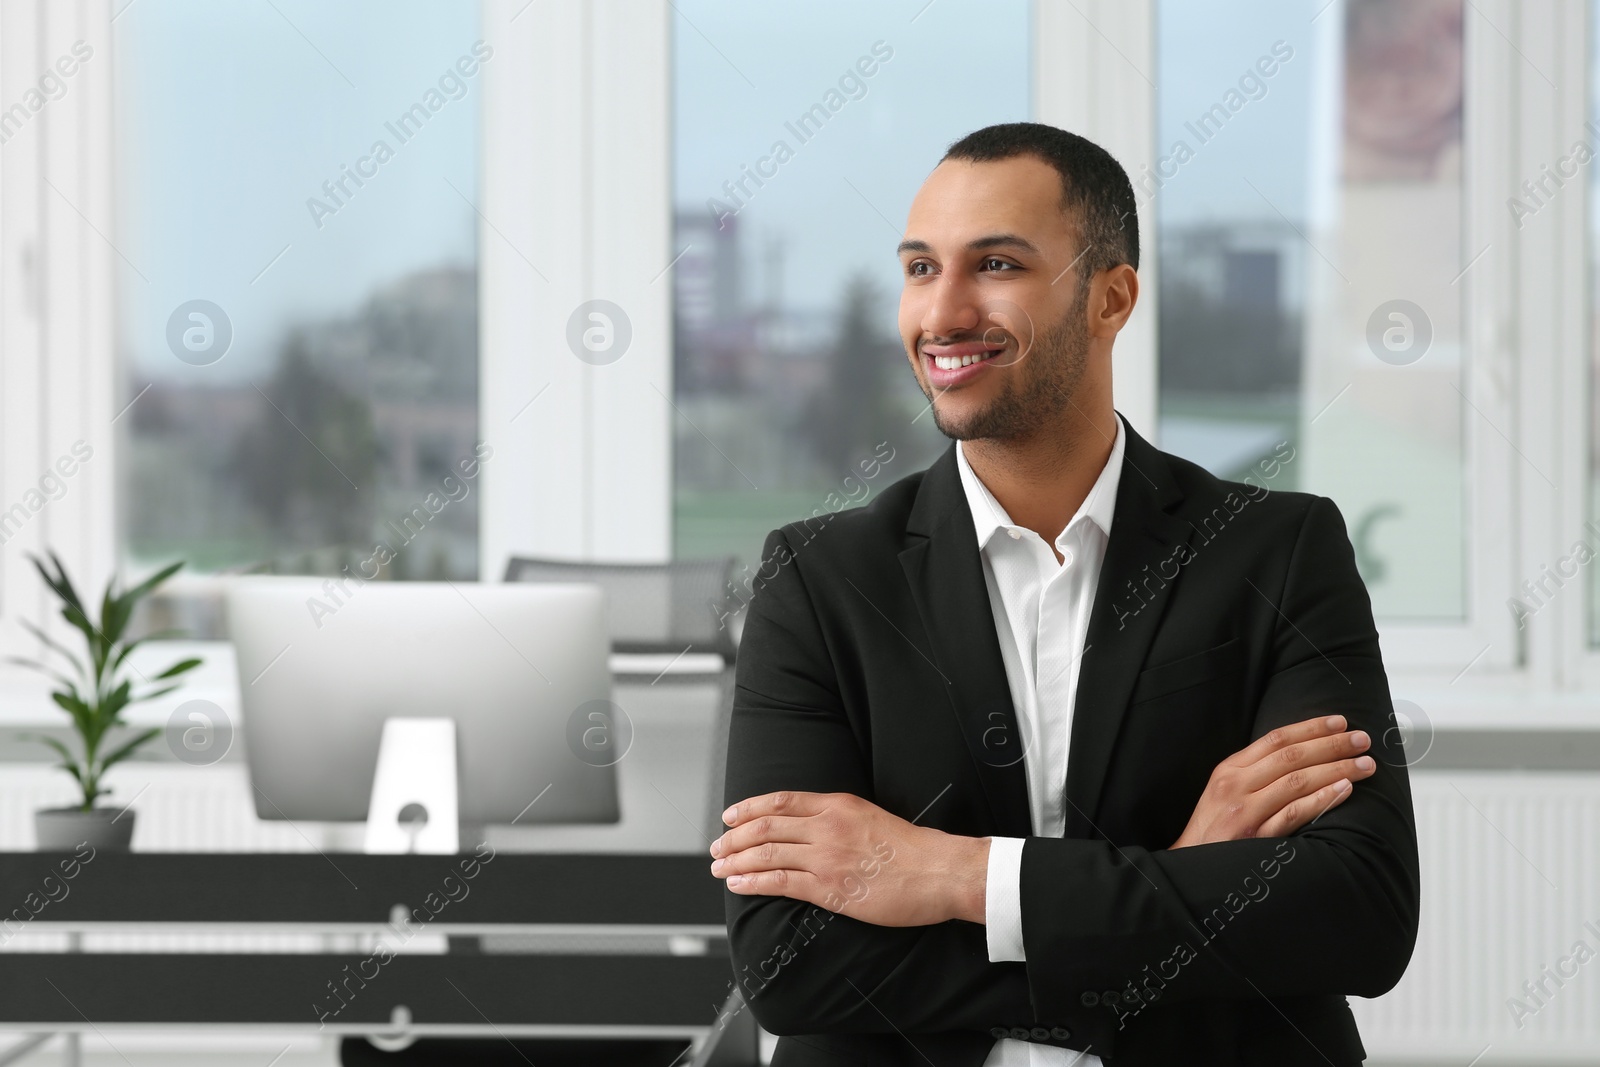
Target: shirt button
(1016, 535)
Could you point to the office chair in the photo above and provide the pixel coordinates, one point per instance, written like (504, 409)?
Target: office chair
(681, 606)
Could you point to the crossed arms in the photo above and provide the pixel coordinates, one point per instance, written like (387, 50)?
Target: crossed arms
(842, 917)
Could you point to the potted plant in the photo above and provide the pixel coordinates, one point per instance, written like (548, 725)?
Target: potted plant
(95, 695)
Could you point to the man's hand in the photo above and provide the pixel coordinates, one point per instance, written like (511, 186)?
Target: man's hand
(1280, 783)
(851, 857)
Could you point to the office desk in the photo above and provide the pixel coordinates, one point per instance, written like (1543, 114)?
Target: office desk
(391, 899)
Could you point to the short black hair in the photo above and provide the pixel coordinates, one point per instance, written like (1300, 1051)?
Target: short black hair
(1094, 186)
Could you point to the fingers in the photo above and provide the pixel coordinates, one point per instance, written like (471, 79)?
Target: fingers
(758, 831)
(787, 802)
(1297, 785)
(1307, 809)
(799, 885)
(1284, 736)
(771, 856)
(1302, 755)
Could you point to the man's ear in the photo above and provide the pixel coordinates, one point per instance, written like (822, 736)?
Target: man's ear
(1113, 294)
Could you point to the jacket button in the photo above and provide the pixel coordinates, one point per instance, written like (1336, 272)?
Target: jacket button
(1060, 1033)
(1020, 1033)
(1041, 1033)
(999, 1032)
(1109, 998)
(1090, 998)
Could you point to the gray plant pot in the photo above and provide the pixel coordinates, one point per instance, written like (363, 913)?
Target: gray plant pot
(64, 829)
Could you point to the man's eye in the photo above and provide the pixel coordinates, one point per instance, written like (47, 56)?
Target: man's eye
(914, 268)
(992, 263)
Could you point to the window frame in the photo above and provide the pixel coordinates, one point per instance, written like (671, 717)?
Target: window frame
(583, 469)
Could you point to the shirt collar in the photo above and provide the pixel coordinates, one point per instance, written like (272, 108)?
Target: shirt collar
(991, 520)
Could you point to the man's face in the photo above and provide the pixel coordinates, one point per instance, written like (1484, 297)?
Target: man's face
(991, 281)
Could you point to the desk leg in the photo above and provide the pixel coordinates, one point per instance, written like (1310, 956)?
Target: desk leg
(72, 1043)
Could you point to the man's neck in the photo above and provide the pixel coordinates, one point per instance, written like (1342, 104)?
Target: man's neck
(1042, 480)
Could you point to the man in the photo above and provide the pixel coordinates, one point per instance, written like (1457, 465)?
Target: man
(1061, 751)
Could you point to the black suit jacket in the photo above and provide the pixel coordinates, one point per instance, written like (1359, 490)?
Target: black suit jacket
(870, 664)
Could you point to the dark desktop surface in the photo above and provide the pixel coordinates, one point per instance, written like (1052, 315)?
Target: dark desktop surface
(481, 887)
(448, 988)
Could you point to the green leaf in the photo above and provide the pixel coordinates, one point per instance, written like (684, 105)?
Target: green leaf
(58, 582)
(74, 706)
(81, 622)
(83, 785)
(42, 668)
(163, 691)
(179, 668)
(77, 616)
(104, 716)
(138, 592)
(52, 644)
(159, 635)
(112, 620)
(115, 701)
(70, 595)
(118, 609)
(70, 760)
(123, 751)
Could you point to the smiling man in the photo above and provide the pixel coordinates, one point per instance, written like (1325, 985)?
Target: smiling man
(1062, 750)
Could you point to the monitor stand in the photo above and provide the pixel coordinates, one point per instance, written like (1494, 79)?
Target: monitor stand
(415, 806)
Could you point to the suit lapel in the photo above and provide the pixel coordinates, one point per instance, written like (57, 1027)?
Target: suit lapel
(945, 573)
(1130, 598)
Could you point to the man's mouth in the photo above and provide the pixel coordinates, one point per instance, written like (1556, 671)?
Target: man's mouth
(954, 357)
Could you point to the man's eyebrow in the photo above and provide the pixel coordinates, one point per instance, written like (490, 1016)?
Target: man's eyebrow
(979, 244)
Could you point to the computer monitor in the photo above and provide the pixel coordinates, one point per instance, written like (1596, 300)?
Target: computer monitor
(522, 669)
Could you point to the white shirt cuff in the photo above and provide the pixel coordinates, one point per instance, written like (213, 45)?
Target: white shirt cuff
(1003, 902)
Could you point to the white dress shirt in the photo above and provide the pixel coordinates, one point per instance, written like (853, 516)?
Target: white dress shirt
(1041, 613)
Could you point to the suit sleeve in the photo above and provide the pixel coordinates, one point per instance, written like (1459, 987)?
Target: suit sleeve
(805, 970)
(1331, 909)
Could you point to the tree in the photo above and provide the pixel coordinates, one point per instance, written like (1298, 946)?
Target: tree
(307, 465)
(856, 407)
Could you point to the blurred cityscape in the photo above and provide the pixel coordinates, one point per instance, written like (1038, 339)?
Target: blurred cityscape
(334, 452)
(780, 405)
(1230, 343)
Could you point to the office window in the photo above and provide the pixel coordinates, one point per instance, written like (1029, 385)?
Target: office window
(297, 285)
(800, 136)
(1308, 190)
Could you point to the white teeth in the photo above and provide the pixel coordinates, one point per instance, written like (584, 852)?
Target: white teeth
(956, 362)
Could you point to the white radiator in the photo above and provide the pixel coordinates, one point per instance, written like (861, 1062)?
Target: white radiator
(1510, 886)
